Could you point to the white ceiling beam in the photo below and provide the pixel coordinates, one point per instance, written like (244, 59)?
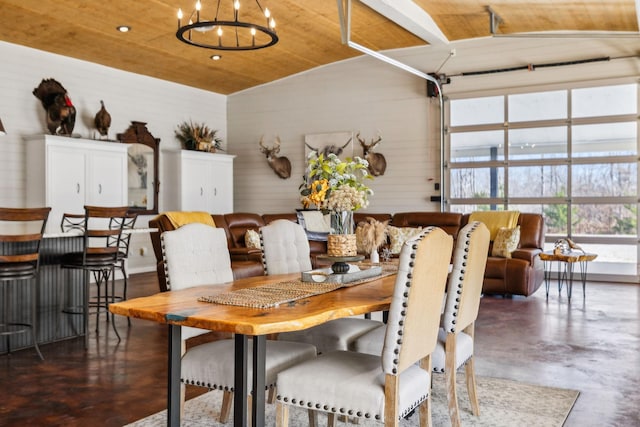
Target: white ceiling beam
(411, 17)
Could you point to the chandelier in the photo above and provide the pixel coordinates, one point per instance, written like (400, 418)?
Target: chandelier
(222, 33)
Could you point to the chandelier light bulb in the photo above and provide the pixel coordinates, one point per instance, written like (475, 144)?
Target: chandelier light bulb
(179, 13)
(267, 13)
(272, 23)
(219, 31)
(236, 5)
(253, 31)
(198, 5)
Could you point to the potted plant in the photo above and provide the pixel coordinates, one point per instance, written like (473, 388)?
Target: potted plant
(199, 137)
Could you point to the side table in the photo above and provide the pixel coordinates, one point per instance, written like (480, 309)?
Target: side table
(566, 262)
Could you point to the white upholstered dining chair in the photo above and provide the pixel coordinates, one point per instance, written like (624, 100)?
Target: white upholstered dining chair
(197, 254)
(457, 327)
(285, 249)
(456, 334)
(388, 386)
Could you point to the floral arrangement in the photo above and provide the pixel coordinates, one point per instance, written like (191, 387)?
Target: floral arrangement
(196, 136)
(336, 185)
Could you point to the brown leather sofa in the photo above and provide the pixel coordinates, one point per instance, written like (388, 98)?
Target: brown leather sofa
(523, 273)
(520, 275)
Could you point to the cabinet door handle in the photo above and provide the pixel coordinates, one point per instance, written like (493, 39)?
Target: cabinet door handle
(201, 191)
(77, 188)
(215, 191)
(99, 188)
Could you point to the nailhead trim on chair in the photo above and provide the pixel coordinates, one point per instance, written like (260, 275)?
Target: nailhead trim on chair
(164, 264)
(218, 387)
(459, 282)
(264, 260)
(462, 271)
(350, 412)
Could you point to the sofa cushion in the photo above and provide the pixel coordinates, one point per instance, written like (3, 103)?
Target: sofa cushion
(494, 220)
(506, 242)
(252, 239)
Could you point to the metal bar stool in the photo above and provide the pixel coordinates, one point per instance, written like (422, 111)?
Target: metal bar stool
(102, 234)
(20, 237)
(123, 252)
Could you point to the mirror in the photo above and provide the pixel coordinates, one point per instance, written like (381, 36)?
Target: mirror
(143, 183)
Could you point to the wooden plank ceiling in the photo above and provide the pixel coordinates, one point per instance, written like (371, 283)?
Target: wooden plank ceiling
(309, 33)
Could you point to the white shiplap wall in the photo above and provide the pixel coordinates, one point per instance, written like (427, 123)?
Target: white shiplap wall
(127, 96)
(361, 94)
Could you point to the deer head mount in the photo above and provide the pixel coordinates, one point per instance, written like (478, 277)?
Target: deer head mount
(377, 162)
(329, 149)
(280, 164)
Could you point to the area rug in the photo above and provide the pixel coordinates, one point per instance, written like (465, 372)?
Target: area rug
(503, 403)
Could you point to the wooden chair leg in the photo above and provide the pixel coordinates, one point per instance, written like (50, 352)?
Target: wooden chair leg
(282, 415)
(225, 408)
(425, 412)
(313, 418)
(425, 407)
(391, 388)
(450, 375)
(470, 376)
(271, 397)
(331, 419)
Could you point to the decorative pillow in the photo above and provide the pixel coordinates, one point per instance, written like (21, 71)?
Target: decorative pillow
(506, 241)
(399, 235)
(252, 239)
(315, 221)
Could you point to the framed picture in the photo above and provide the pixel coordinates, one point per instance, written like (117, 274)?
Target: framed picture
(338, 143)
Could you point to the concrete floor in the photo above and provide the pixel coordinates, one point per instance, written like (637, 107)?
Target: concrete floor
(590, 344)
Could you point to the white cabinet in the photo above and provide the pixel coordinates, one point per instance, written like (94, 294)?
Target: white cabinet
(201, 181)
(68, 173)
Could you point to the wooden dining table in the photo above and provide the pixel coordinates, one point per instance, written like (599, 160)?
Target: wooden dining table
(182, 308)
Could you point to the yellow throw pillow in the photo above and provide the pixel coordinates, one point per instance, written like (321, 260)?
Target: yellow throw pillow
(399, 235)
(506, 241)
(252, 239)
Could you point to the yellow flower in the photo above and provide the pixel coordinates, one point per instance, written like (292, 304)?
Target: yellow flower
(318, 193)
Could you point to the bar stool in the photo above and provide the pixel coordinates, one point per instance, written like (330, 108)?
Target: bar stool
(20, 240)
(129, 223)
(102, 234)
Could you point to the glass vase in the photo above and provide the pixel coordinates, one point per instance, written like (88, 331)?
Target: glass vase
(342, 222)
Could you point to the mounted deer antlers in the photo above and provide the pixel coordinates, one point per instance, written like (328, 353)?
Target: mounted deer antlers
(280, 164)
(327, 149)
(377, 162)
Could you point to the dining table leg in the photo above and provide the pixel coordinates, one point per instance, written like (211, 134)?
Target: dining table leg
(173, 396)
(240, 391)
(258, 382)
(259, 363)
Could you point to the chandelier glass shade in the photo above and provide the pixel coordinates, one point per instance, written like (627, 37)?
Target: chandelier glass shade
(230, 27)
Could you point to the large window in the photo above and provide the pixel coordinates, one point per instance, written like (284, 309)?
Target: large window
(570, 154)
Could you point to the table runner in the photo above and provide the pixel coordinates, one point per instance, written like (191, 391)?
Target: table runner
(274, 294)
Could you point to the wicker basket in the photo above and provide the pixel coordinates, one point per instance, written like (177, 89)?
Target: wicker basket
(341, 245)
